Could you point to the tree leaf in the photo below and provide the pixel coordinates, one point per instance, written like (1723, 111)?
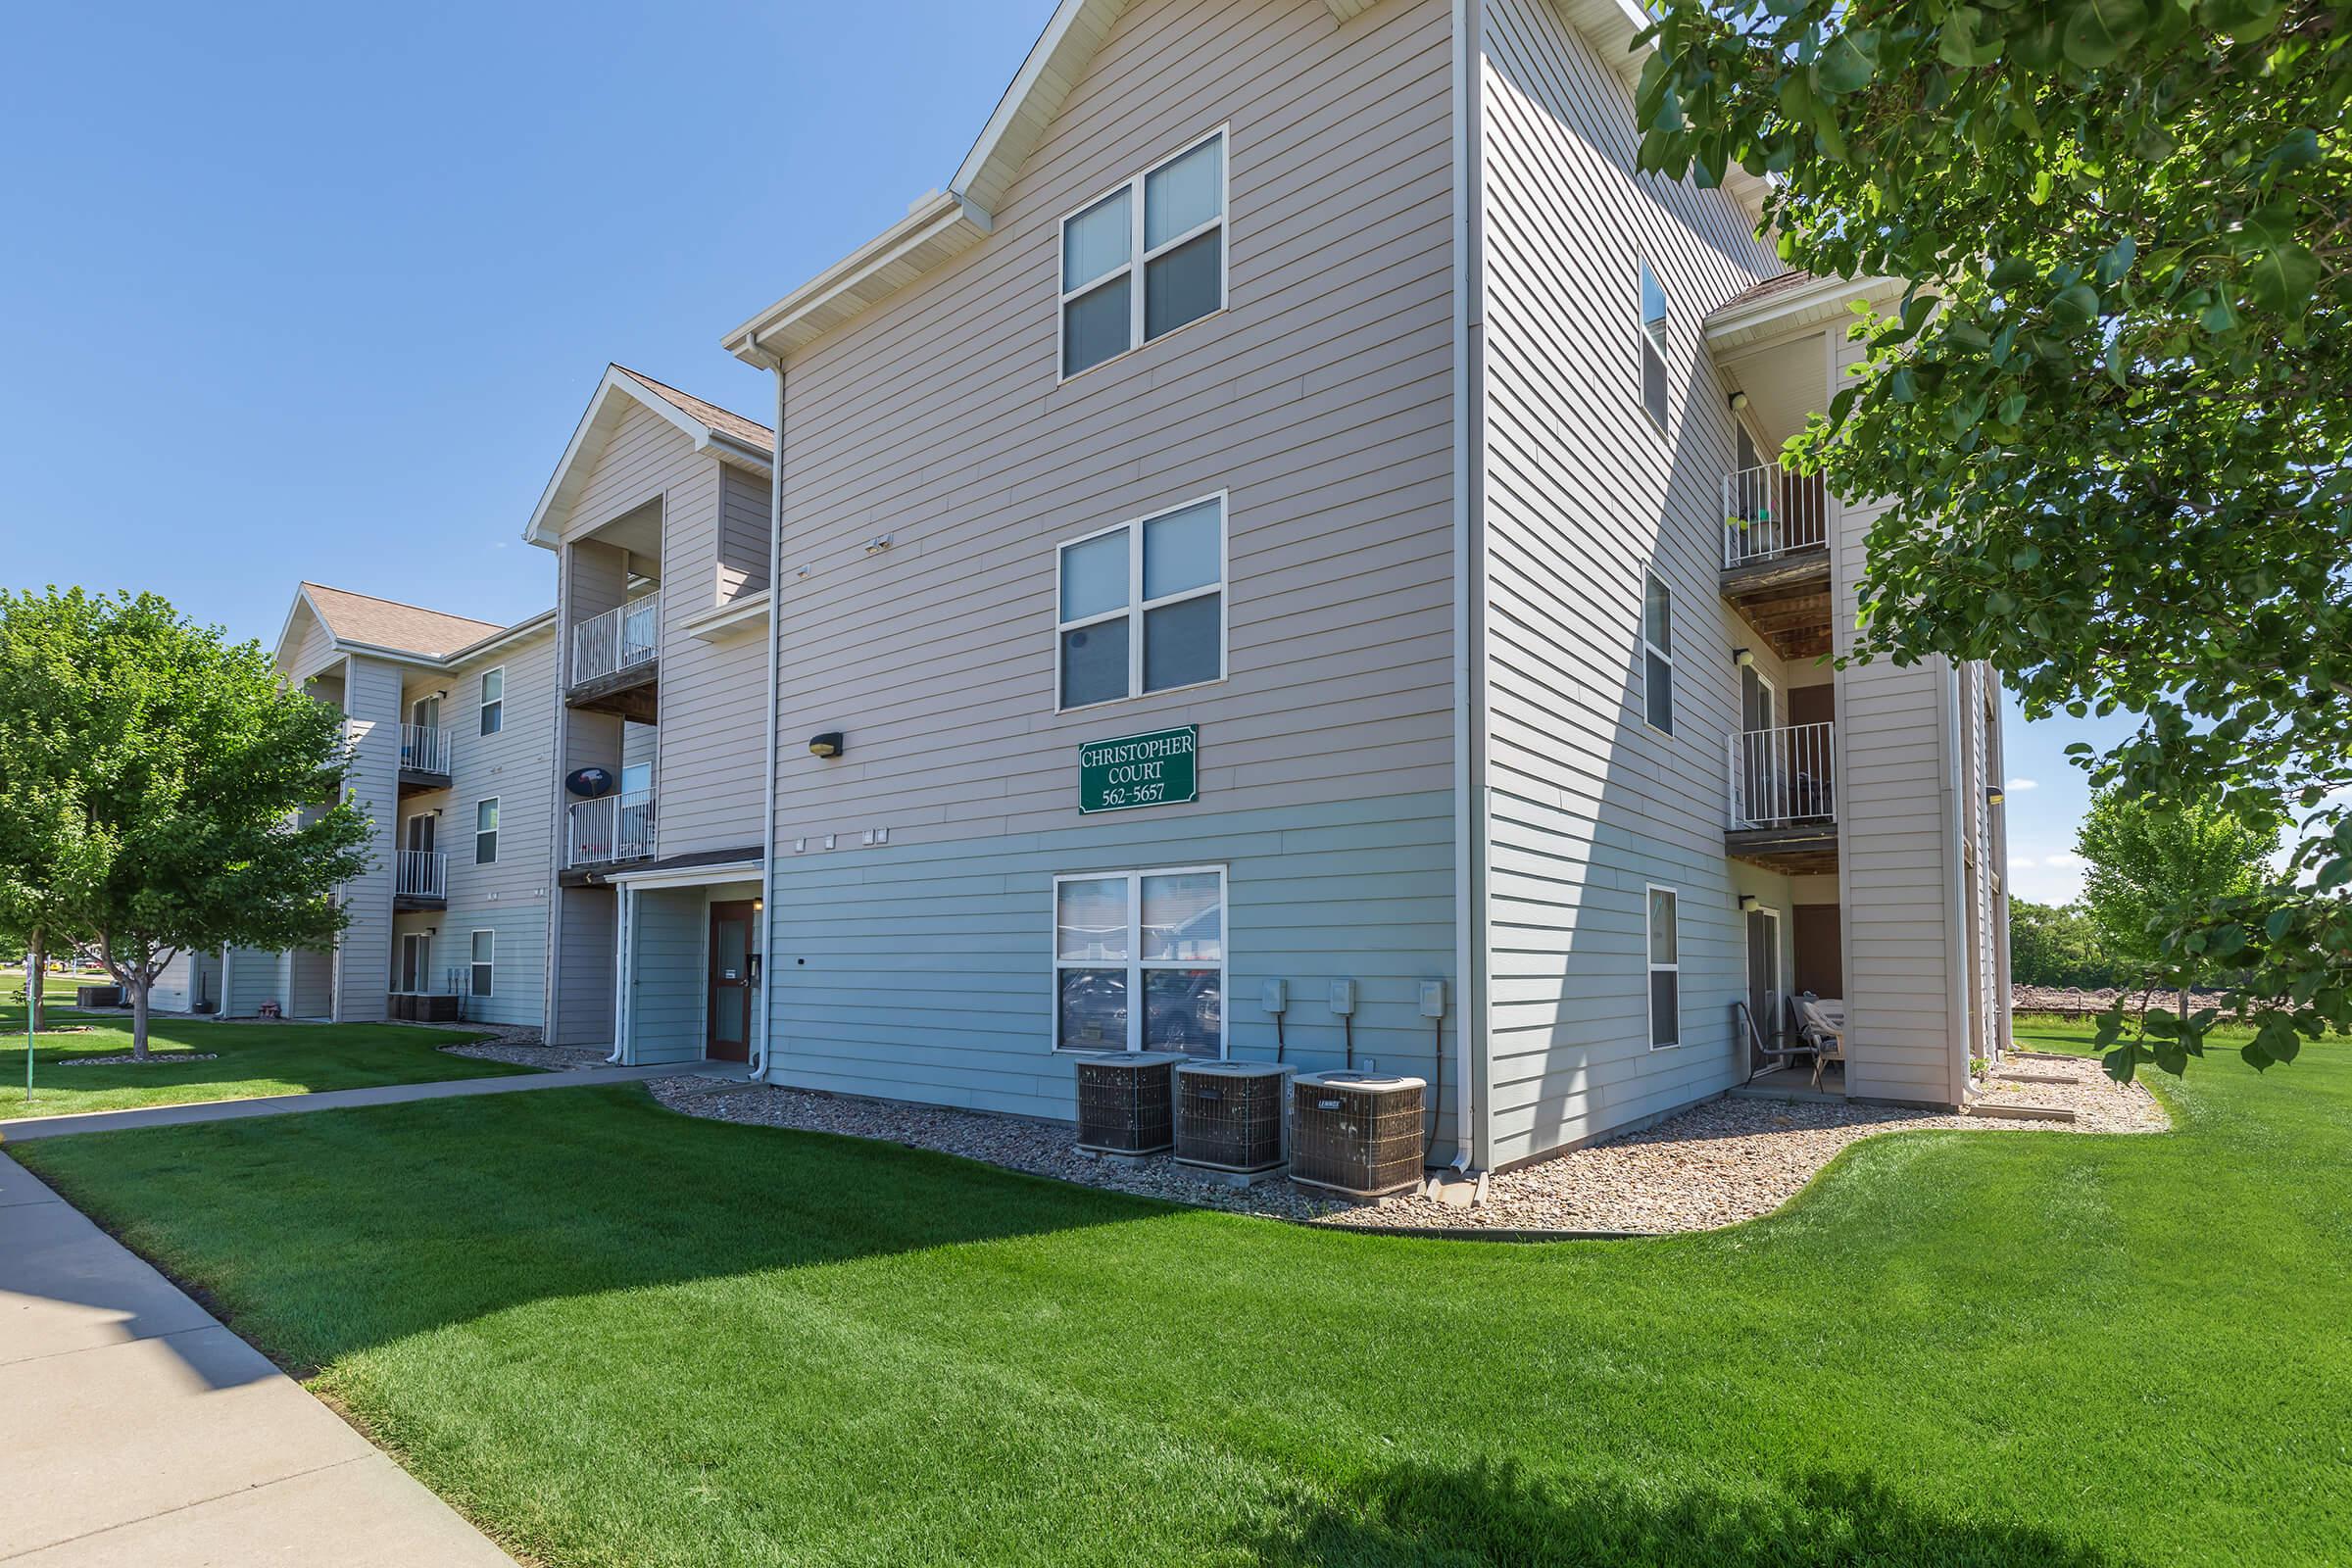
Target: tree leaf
(2284, 278)
(2096, 32)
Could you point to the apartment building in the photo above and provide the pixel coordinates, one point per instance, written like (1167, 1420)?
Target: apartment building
(1299, 507)
(657, 518)
(451, 724)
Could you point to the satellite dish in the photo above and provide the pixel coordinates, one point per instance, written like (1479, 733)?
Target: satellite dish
(588, 783)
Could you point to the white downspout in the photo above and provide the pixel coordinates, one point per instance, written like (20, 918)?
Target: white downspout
(1469, 593)
(775, 645)
(624, 901)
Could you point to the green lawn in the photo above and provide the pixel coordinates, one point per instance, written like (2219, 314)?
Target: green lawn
(253, 1059)
(617, 1335)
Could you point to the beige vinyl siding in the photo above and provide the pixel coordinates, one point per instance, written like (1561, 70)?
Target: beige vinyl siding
(1319, 402)
(1896, 848)
(743, 533)
(581, 1014)
(509, 896)
(310, 983)
(1583, 495)
(371, 701)
(251, 976)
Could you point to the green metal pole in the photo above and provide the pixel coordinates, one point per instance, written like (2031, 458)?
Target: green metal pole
(31, 980)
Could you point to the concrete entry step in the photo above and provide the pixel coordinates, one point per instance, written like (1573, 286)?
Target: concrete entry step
(2010, 1110)
(2034, 1078)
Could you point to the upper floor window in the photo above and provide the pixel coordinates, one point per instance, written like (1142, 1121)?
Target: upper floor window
(1168, 224)
(1143, 605)
(494, 700)
(485, 831)
(1653, 346)
(1657, 652)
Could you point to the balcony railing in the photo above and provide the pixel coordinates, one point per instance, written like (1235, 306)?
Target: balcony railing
(1784, 777)
(1769, 513)
(617, 640)
(420, 874)
(617, 827)
(424, 749)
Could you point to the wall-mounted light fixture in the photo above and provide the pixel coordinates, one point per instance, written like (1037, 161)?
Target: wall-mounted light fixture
(1749, 903)
(874, 546)
(826, 744)
(1995, 794)
(1743, 659)
(1739, 402)
(758, 904)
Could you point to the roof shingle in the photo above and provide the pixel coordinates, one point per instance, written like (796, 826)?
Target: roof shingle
(387, 624)
(750, 432)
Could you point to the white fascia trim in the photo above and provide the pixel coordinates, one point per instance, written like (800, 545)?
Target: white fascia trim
(1803, 304)
(619, 382)
(498, 639)
(1016, 96)
(924, 222)
(692, 876)
(710, 625)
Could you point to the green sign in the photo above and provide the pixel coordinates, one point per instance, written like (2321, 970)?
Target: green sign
(1158, 768)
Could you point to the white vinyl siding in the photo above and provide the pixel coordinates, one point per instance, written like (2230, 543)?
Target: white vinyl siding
(1146, 258)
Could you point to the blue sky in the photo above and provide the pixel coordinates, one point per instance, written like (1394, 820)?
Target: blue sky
(304, 291)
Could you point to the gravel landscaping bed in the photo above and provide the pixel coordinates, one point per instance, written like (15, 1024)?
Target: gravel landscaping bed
(1715, 1164)
(521, 1046)
(161, 1059)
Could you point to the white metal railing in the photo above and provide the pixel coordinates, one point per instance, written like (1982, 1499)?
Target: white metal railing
(617, 640)
(616, 827)
(420, 874)
(1768, 513)
(1783, 775)
(424, 749)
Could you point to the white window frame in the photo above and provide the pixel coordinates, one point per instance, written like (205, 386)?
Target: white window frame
(474, 965)
(1645, 344)
(409, 834)
(1136, 964)
(1665, 655)
(1138, 258)
(490, 800)
(1137, 606)
(485, 706)
(1650, 968)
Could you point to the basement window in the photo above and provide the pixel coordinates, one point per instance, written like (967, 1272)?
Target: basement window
(1665, 968)
(1167, 225)
(1154, 935)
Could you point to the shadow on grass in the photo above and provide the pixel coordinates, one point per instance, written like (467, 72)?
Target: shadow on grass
(1493, 1515)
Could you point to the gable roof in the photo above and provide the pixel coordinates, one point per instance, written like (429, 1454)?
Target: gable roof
(387, 629)
(943, 223)
(350, 618)
(725, 435)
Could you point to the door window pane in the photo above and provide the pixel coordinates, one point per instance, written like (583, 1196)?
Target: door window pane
(1185, 285)
(1181, 551)
(1094, 575)
(1090, 918)
(1181, 642)
(726, 1004)
(1093, 1009)
(1183, 193)
(1094, 663)
(1096, 326)
(1184, 1011)
(1095, 242)
(1183, 917)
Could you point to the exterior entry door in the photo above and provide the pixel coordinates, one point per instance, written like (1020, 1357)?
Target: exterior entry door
(730, 1010)
(1764, 973)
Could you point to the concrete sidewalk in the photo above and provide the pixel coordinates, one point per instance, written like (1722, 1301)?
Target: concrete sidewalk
(25, 1129)
(136, 1432)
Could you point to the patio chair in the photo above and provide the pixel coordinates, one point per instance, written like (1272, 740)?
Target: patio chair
(1815, 1028)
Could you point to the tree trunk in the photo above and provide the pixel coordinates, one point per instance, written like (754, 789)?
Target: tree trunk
(36, 963)
(140, 980)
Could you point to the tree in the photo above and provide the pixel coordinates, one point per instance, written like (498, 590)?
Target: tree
(2056, 945)
(2149, 857)
(173, 790)
(2108, 416)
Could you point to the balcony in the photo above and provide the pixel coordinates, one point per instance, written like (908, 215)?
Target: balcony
(611, 831)
(419, 879)
(1784, 794)
(615, 661)
(426, 750)
(1776, 557)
